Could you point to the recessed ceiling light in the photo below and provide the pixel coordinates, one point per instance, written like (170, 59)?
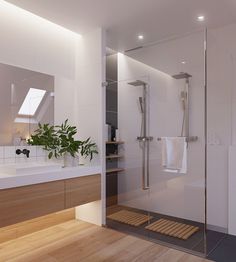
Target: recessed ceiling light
(201, 18)
(140, 37)
(183, 62)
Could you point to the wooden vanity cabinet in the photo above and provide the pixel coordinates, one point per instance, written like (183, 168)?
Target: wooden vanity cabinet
(82, 190)
(28, 202)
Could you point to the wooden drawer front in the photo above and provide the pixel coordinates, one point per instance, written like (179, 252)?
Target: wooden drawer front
(23, 203)
(83, 190)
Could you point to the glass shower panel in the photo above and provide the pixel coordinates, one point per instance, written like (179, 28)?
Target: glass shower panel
(166, 180)
(221, 68)
(128, 185)
(177, 152)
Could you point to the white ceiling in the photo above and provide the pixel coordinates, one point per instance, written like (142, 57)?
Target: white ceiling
(125, 19)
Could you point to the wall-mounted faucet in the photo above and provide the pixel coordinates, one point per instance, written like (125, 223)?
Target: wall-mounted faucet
(24, 151)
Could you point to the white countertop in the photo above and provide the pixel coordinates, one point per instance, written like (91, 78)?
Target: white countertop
(11, 181)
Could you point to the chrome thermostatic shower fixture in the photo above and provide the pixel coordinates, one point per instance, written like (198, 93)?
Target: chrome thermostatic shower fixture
(185, 104)
(144, 139)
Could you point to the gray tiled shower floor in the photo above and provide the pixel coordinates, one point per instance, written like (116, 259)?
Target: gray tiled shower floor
(195, 243)
(225, 251)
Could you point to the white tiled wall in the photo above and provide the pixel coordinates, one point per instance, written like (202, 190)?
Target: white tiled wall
(8, 154)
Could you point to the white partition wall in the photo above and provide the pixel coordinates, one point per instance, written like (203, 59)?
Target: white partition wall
(222, 127)
(90, 108)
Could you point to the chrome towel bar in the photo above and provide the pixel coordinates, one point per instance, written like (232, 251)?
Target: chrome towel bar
(188, 139)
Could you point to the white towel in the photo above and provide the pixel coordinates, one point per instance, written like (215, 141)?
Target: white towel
(174, 154)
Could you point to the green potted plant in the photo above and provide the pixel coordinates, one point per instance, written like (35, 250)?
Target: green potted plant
(60, 141)
(46, 136)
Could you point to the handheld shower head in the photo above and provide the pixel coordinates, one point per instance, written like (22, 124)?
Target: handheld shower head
(141, 104)
(183, 97)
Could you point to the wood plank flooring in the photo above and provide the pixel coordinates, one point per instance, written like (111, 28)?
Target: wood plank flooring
(77, 241)
(36, 224)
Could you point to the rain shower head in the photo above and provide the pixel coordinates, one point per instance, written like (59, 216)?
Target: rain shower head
(137, 83)
(182, 75)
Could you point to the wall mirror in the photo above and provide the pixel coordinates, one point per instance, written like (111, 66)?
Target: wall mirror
(27, 98)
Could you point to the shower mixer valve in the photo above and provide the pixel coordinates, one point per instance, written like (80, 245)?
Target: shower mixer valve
(144, 138)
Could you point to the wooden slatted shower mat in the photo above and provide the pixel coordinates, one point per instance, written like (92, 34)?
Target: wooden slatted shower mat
(130, 218)
(173, 229)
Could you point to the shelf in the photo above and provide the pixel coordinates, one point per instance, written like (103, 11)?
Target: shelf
(115, 142)
(114, 170)
(114, 157)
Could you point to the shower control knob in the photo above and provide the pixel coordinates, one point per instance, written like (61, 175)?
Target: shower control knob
(144, 138)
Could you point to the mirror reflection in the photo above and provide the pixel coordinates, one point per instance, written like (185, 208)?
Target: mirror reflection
(27, 98)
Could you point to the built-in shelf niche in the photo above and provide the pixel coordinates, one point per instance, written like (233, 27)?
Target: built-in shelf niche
(115, 142)
(114, 170)
(114, 156)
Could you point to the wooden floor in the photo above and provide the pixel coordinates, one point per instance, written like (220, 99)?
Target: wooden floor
(30, 226)
(77, 241)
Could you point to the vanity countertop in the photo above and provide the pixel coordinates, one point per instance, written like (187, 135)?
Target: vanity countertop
(17, 180)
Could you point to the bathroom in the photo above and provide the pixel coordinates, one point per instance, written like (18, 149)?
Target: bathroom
(132, 88)
(190, 89)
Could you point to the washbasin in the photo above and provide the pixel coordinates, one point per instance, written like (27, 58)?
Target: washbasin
(29, 168)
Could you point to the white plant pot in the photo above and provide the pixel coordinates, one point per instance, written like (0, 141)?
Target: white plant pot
(70, 161)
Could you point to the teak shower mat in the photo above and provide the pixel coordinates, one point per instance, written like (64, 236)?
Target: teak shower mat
(130, 218)
(173, 229)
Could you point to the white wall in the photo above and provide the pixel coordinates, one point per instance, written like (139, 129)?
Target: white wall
(90, 107)
(89, 94)
(222, 126)
(65, 100)
(31, 42)
(171, 194)
(34, 43)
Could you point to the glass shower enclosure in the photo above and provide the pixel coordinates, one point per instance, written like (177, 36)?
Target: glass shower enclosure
(157, 161)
